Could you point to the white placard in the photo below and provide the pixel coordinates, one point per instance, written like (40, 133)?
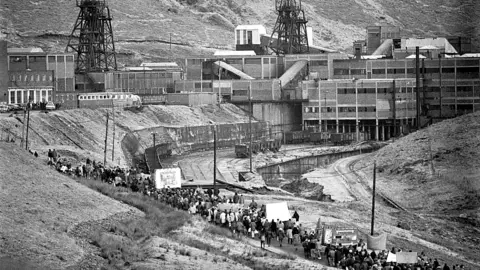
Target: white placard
(164, 178)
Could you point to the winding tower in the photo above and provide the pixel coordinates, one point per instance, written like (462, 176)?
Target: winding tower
(92, 38)
(290, 28)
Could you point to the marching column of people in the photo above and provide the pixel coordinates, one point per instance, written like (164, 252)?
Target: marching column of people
(242, 220)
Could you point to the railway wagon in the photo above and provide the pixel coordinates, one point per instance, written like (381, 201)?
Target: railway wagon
(301, 136)
(319, 137)
(163, 150)
(342, 138)
(107, 99)
(243, 149)
(347, 138)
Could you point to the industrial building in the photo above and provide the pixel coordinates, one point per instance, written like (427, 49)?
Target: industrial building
(282, 78)
(34, 75)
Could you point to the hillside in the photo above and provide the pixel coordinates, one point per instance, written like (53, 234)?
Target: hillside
(78, 134)
(143, 28)
(41, 210)
(435, 174)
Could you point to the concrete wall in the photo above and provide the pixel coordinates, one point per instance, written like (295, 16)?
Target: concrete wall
(3, 71)
(281, 116)
(191, 99)
(196, 138)
(293, 169)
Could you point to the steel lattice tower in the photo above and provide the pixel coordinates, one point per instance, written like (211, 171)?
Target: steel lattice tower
(92, 38)
(290, 28)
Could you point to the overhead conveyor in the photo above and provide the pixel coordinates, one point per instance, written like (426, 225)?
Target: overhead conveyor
(234, 70)
(293, 71)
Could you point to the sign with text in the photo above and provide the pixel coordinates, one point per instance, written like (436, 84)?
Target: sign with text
(164, 178)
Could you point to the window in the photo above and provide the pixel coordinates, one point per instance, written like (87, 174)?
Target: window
(60, 58)
(266, 61)
(238, 37)
(253, 61)
(467, 70)
(244, 37)
(340, 71)
(378, 71)
(18, 59)
(12, 97)
(432, 70)
(357, 71)
(315, 63)
(240, 92)
(51, 59)
(69, 58)
(249, 37)
(307, 109)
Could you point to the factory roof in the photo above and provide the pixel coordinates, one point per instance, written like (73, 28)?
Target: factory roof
(234, 53)
(251, 27)
(24, 50)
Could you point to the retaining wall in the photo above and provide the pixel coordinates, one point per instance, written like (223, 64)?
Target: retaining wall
(293, 169)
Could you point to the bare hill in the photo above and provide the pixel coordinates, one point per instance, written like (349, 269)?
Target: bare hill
(39, 209)
(434, 173)
(143, 28)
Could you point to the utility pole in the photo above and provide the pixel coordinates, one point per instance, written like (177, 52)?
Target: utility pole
(417, 81)
(113, 133)
(394, 103)
(154, 134)
(440, 81)
(23, 128)
(373, 197)
(214, 157)
(28, 123)
(250, 123)
(106, 138)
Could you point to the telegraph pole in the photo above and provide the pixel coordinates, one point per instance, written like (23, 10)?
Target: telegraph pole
(113, 133)
(214, 157)
(106, 137)
(28, 123)
(154, 134)
(394, 105)
(373, 197)
(250, 123)
(417, 81)
(23, 128)
(440, 81)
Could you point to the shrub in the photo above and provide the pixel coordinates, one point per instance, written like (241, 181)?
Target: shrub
(216, 230)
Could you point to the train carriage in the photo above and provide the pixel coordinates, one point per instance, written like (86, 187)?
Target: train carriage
(107, 99)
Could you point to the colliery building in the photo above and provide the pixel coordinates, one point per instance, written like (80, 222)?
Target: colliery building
(330, 91)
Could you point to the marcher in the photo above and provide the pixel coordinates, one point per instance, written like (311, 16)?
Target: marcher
(281, 235)
(262, 240)
(296, 216)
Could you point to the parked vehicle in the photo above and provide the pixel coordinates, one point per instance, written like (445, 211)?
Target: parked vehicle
(50, 106)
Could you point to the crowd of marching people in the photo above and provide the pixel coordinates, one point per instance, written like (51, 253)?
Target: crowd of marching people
(245, 219)
(356, 257)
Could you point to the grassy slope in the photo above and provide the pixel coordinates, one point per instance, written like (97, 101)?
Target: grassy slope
(208, 24)
(39, 206)
(434, 173)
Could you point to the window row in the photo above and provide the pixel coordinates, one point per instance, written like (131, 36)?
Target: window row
(30, 78)
(101, 97)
